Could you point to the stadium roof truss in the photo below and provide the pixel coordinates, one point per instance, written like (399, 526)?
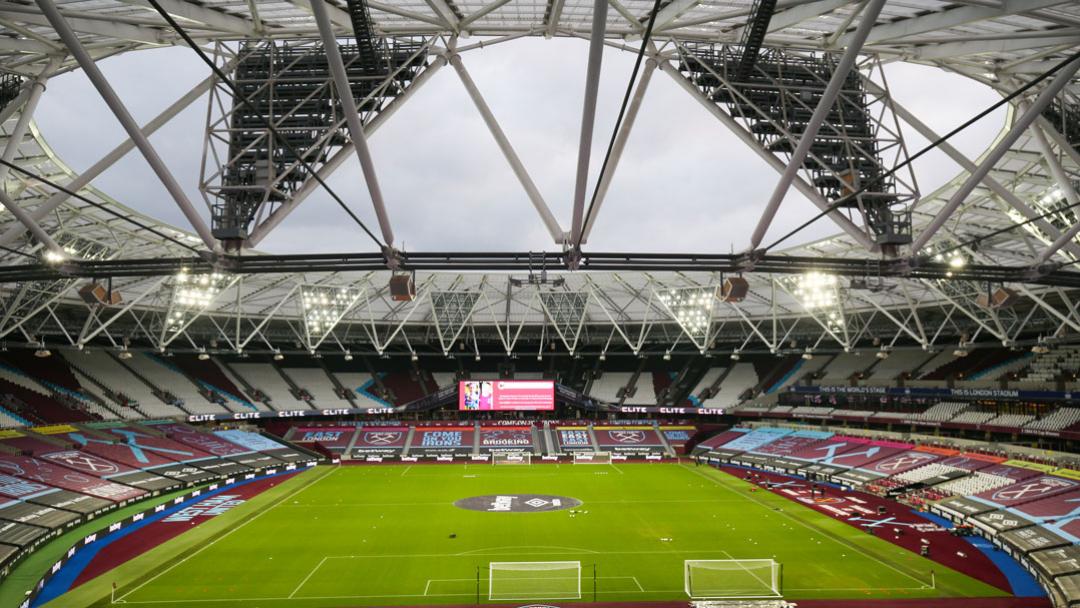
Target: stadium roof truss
(907, 267)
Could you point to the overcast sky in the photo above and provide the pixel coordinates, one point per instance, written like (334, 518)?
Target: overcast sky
(684, 184)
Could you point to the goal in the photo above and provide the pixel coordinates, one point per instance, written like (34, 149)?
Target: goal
(511, 581)
(592, 458)
(511, 458)
(732, 578)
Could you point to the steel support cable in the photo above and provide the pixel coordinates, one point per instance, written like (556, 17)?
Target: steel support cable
(622, 112)
(97, 205)
(934, 144)
(266, 121)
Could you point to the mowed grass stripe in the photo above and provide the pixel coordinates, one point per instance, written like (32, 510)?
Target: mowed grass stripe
(389, 551)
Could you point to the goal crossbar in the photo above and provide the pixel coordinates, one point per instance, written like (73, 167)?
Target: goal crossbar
(511, 458)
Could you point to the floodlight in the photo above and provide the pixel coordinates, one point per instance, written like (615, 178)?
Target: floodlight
(204, 356)
(278, 356)
(735, 356)
(324, 306)
(191, 295)
(414, 357)
(124, 354)
(348, 356)
(882, 354)
(816, 290)
(42, 353)
(667, 356)
(957, 261)
(808, 355)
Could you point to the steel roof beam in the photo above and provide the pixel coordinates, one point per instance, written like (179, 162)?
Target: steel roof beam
(942, 20)
(588, 117)
(522, 174)
(1020, 125)
(89, 66)
(617, 148)
(352, 119)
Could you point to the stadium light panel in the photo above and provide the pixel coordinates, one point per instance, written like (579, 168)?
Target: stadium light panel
(192, 294)
(692, 308)
(323, 307)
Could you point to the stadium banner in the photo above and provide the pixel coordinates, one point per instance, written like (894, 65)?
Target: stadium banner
(506, 395)
(678, 436)
(1034, 466)
(54, 429)
(628, 439)
(676, 411)
(929, 449)
(9, 434)
(267, 415)
(442, 440)
(506, 439)
(335, 438)
(908, 391)
(380, 440)
(207, 442)
(574, 439)
(1068, 474)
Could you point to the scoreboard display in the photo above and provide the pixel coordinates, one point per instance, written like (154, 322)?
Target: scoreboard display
(506, 395)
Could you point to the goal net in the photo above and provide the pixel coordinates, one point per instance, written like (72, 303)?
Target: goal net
(510, 458)
(592, 458)
(511, 581)
(731, 578)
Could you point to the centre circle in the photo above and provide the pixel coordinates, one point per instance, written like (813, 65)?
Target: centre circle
(517, 503)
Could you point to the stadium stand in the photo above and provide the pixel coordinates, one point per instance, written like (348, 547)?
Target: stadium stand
(266, 379)
(1048, 367)
(120, 385)
(169, 380)
(741, 378)
(316, 383)
(1059, 419)
(940, 412)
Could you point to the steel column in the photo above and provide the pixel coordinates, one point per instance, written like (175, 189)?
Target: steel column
(588, 116)
(1066, 188)
(847, 62)
(508, 151)
(617, 148)
(991, 158)
(71, 41)
(352, 117)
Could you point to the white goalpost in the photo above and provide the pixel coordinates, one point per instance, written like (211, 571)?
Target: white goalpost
(592, 457)
(512, 581)
(715, 579)
(511, 458)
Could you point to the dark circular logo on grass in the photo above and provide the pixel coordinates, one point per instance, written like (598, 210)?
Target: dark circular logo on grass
(517, 503)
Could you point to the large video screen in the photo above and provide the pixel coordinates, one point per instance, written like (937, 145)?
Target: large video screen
(506, 395)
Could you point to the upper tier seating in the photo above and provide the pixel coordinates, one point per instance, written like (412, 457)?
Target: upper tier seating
(843, 366)
(166, 378)
(109, 373)
(898, 362)
(741, 378)
(607, 386)
(264, 378)
(317, 384)
(1047, 367)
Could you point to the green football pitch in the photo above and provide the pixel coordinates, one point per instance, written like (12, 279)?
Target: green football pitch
(391, 534)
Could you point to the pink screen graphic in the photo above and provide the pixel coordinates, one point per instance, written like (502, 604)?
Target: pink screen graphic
(506, 395)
